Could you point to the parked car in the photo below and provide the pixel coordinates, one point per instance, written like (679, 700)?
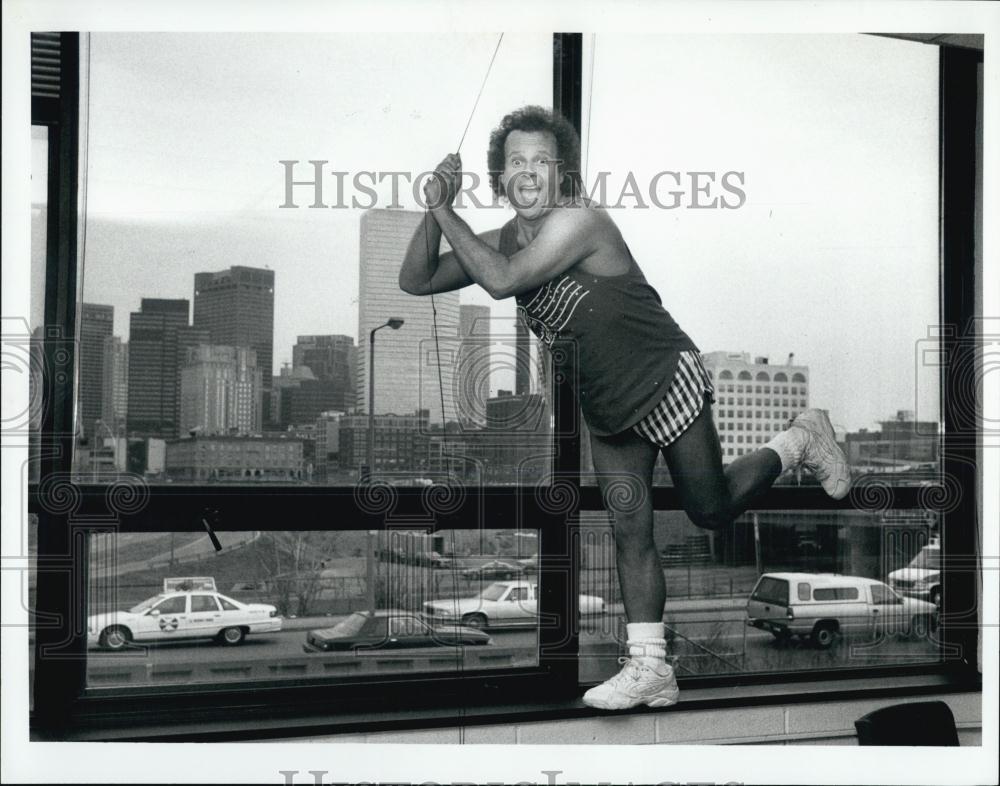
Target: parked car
(174, 615)
(922, 577)
(821, 606)
(502, 603)
(495, 569)
(389, 629)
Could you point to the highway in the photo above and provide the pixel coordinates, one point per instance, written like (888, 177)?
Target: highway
(719, 643)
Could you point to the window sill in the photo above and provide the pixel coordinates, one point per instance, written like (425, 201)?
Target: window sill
(251, 726)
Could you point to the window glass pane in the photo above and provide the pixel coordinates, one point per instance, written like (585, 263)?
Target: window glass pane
(841, 593)
(309, 604)
(831, 177)
(23, 348)
(39, 214)
(734, 603)
(27, 352)
(204, 603)
(229, 299)
(176, 605)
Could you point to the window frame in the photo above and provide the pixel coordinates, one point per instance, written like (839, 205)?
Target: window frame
(66, 708)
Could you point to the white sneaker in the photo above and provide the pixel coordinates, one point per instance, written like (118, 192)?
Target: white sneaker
(637, 683)
(821, 454)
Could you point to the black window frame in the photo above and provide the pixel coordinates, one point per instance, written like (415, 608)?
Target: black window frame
(62, 704)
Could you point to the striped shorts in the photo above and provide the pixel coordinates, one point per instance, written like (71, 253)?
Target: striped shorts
(682, 403)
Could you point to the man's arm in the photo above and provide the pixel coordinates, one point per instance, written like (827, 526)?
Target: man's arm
(422, 274)
(566, 237)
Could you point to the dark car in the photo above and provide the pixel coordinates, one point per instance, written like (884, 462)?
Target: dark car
(390, 629)
(496, 569)
(434, 560)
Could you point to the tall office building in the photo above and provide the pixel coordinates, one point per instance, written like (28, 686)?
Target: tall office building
(96, 324)
(474, 368)
(753, 400)
(332, 360)
(236, 306)
(114, 392)
(522, 358)
(159, 334)
(406, 369)
(298, 398)
(220, 391)
(517, 414)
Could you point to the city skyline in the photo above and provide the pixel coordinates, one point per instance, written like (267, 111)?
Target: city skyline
(473, 324)
(186, 388)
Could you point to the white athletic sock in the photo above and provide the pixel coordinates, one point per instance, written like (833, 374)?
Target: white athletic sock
(646, 642)
(789, 445)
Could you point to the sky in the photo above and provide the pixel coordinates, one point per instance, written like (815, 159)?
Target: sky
(831, 256)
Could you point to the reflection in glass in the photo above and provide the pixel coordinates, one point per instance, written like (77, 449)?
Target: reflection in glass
(167, 608)
(730, 592)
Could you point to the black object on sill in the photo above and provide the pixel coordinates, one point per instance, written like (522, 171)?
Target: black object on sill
(214, 515)
(914, 723)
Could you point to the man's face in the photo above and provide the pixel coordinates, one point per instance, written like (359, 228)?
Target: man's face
(530, 176)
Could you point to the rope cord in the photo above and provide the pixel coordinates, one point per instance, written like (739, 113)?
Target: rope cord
(437, 347)
(590, 108)
(427, 243)
(479, 94)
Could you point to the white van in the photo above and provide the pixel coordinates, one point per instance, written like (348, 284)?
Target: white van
(821, 606)
(922, 577)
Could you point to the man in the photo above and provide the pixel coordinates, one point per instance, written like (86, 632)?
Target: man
(642, 386)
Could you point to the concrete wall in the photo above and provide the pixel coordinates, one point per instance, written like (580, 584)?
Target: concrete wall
(816, 723)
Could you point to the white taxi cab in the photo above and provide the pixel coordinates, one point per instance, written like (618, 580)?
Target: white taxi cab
(186, 609)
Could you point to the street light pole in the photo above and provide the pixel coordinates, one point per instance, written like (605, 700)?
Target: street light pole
(395, 323)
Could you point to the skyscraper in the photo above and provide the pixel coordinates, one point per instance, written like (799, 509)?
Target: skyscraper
(114, 395)
(298, 397)
(158, 336)
(236, 306)
(332, 360)
(220, 390)
(96, 324)
(406, 368)
(473, 371)
(753, 401)
(522, 358)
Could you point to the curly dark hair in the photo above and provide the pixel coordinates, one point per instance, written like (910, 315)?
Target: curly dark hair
(537, 118)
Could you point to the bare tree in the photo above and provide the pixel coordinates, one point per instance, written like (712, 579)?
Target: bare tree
(291, 563)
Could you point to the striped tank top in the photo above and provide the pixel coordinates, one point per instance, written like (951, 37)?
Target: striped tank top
(609, 336)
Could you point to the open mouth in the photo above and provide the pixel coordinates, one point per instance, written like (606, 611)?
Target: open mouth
(529, 193)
